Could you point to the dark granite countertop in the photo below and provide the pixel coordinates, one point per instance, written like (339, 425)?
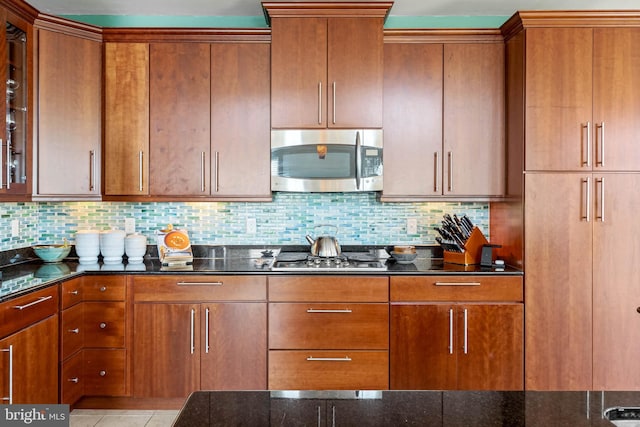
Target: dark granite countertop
(22, 272)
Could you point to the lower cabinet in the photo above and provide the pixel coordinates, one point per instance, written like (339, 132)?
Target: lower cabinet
(451, 333)
(29, 355)
(181, 347)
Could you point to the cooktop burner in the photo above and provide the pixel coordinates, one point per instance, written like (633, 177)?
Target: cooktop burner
(295, 261)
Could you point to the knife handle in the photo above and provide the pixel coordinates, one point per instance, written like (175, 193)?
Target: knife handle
(586, 183)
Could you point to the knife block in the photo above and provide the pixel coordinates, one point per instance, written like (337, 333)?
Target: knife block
(472, 250)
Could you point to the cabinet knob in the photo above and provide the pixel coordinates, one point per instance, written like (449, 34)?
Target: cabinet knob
(74, 380)
(74, 292)
(638, 309)
(103, 373)
(103, 325)
(75, 331)
(103, 288)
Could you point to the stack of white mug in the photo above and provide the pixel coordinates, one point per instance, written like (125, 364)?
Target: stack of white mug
(112, 244)
(88, 246)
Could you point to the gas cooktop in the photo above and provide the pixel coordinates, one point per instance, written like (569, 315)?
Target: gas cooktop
(347, 261)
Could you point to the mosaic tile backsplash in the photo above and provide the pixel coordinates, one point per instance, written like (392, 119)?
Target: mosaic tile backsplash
(360, 218)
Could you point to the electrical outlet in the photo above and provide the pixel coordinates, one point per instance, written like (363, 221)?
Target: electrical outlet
(412, 226)
(15, 228)
(129, 225)
(251, 226)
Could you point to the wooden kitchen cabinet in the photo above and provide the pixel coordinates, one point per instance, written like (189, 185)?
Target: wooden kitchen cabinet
(456, 333)
(326, 68)
(580, 110)
(29, 348)
(126, 130)
(213, 327)
(69, 115)
(444, 114)
(328, 333)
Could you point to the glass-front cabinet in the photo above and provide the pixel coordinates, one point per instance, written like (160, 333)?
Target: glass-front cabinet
(15, 73)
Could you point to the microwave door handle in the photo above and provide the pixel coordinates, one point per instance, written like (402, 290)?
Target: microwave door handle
(358, 160)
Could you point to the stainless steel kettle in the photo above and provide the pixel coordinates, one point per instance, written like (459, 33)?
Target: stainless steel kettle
(324, 246)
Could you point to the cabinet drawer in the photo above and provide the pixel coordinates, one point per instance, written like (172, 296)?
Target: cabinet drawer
(104, 288)
(71, 380)
(72, 292)
(329, 288)
(104, 372)
(104, 324)
(456, 288)
(26, 310)
(328, 370)
(71, 330)
(328, 326)
(200, 288)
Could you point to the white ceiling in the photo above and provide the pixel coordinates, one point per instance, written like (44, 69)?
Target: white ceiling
(254, 8)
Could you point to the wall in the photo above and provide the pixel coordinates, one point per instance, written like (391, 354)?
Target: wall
(360, 217)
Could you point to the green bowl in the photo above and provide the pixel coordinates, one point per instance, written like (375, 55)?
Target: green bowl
(51, 253)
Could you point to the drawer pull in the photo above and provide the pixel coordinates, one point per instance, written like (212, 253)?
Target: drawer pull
(329, 359)
(318, 310)
(74, 292)
(74, 380)
(74, 331)
(457, 283)
(103, 325)
(200, 283)
(31, 304)
(103, 373)
(103, 288)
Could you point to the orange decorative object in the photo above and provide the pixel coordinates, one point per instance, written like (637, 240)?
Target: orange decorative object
(177, 240)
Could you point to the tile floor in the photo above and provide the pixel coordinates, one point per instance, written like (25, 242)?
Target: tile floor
(122, 418)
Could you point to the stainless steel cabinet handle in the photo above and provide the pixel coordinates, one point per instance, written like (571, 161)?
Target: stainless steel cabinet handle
(10, 351)
(103, 325)
(466, 332)
(358, 161)
(92, 170)
(333, 416)
(586, 183)
(320, 103)
(600, 142)
(74, 292)
(450, 175)
(103, 373)
(318, 310)
(600, 217)
(203, 185)
(1, 184)
(450, 331)
(103, 288)
(216, 177)
(206, 330)
(200, 283)
(587, 161)
(329, 359)
(140, 170)
(457, 283)
(436, 169)
(74, 331)
(8, 164)
(31, 304)
(334, 103)
(319, 417)
(193, 327)
(74, 380)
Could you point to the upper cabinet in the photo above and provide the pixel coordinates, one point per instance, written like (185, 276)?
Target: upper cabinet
(16, 80)
(444, 118)
(126, 131)
(69, 115)
(326, 64)
(580, 111)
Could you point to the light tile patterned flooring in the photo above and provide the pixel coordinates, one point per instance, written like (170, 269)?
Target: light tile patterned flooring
(122, 418)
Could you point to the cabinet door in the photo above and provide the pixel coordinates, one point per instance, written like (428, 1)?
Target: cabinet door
(558, 98)
(179, 114)
(298, 72)
(355, 73)
(616, 336)
(558, 283)
(489, 346)
(616, 105)
(240, 95)
(32, 356)
(166, 353)
(422, 347)
(412, 119)
(126, 133)
(234, 346)
(473, 153)
(69, 114)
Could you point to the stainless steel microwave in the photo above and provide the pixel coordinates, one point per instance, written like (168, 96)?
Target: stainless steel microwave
(326, 160)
